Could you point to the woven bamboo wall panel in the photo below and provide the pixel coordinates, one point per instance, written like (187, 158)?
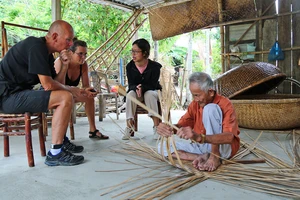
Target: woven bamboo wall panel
(181, 18)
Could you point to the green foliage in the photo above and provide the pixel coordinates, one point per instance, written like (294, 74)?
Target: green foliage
(216, 60)
(95, 23)
(144, 32)
(199, 35)
(178, 55)
(198, 66)
(167, 44)
(215, 64)
(28, 13)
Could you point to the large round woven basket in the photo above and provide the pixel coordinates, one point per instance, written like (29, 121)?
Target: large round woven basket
(249, 79)
(247, 87)
(273, 112)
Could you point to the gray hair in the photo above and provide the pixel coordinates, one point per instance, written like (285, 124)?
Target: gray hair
(203, 80)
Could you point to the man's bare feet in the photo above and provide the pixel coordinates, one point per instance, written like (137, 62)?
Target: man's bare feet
(212, 163)
(200, 160)
(185, 155)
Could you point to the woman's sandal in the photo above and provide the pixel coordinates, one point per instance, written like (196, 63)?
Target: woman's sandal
(95, 136)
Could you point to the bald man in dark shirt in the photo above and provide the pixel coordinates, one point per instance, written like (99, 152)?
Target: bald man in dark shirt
(30, 62)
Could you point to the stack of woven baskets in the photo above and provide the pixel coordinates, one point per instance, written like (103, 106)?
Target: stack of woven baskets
(247, 87)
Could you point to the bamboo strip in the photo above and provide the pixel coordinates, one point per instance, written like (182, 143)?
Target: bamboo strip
(124, 182)
(169, 152)
(158, 187)
(27, 27)
(176, 185)
(147, 187)
(123, 92)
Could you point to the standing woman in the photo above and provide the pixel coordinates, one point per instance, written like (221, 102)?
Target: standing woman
(70, 75)
(143, 83)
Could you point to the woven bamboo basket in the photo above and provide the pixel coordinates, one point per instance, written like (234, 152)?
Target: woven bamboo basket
(268, 111)
(249, 79)
(247, 87)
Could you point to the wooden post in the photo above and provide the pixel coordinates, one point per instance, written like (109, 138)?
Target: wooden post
(4, 39)
(220, 11)
(156, 50)
(181, 87)
(284, 39)
(296, 42)
(56, 9)
(2, 45)
(259, 45)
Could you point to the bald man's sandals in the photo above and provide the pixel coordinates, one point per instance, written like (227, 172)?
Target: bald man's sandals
(93, 134)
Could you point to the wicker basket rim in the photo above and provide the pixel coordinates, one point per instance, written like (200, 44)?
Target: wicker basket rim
(257, 83)
(266, 101)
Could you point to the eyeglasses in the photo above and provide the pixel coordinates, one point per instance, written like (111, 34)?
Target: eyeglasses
(135, 52)
(81, 54)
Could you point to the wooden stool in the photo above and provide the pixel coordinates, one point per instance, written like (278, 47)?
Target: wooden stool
(19, 125)
(140, 110)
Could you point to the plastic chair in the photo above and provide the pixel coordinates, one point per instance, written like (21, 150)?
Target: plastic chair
(103, 97)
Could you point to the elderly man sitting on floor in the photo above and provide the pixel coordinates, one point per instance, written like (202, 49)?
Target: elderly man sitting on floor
(210, 121)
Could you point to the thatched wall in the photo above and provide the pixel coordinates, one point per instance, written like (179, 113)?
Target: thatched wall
(193, 15)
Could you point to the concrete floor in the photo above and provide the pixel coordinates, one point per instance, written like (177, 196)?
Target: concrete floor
(18, 181)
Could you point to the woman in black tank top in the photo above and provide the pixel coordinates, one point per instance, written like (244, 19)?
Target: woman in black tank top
(78, 70)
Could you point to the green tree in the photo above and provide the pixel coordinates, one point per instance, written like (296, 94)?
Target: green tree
(29, 13)
(216, 57)
(215, 64)
(93, 23)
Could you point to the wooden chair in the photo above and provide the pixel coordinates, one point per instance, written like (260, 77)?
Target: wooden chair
(140, 110)
(47, 118)
(103, 97)
(21, 125)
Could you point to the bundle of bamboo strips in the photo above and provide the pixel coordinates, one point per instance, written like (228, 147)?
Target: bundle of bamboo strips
(275, 180)
(166, 100)
(280, 178)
